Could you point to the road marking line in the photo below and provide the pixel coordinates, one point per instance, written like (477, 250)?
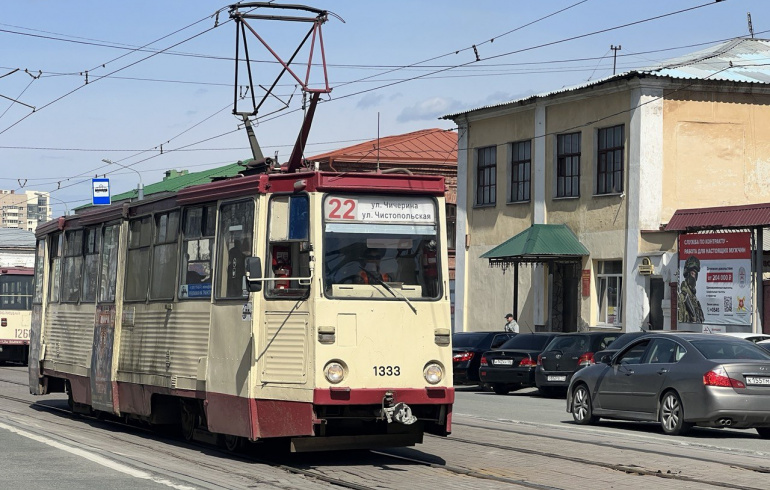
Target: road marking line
(95, 458)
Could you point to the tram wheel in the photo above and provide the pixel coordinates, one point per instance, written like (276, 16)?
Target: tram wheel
(188, 419)
(233, 443)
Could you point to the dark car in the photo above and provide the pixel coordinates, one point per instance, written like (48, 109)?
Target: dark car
(467, 348)
(566, 354)
(618, 344)
(679, 380)
(512, 366)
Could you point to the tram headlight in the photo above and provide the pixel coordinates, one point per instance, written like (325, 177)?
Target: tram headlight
(433, 373)
(334, 372)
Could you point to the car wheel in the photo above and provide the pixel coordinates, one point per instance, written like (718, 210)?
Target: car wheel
(764, 432)
(500, 389)
(582, 410)
(672, 415)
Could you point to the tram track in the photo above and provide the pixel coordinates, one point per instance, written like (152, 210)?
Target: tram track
(303, 470)
(758, 469)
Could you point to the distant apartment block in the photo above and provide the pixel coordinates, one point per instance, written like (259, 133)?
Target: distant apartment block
(24, 210)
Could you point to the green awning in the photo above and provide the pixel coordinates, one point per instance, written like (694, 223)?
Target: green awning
(538, 243)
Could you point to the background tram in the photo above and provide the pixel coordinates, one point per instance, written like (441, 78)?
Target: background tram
(15, 307)
(309, 306)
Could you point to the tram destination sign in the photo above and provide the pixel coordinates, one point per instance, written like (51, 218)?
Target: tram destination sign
(380, 209)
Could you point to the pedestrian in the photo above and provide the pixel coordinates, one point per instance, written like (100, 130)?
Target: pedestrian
(511, 325)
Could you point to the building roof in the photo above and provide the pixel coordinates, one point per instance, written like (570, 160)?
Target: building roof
(16, 238)
(435, 146)
(538, 243)
(746, 216)
(737, 60)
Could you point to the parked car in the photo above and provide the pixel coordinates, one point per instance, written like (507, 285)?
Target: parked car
(467, 348)
(765, 344)
(679, 380)
(752, 337)
(565, 354)
(512, 366)
(617, 344)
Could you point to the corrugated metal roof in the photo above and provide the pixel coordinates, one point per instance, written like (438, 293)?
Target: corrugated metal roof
(737, 60)
(434, 146)
(745, 216)
(537, 243)
(14, 238)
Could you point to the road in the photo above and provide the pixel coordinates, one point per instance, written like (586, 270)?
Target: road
(515, 441)
(528, 407)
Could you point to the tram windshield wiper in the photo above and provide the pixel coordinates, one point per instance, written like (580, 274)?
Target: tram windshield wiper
(389, 289)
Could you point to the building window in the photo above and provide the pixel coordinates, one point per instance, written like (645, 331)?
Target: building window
(521, 163)
(486, 175)
(451, 226)
(609, 276)
(568, 165)
(609, 164)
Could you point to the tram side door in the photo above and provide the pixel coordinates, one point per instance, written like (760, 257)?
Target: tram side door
(231, 343)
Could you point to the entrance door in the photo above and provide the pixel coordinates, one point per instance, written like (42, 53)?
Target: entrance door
(656, 303)
(565, 306)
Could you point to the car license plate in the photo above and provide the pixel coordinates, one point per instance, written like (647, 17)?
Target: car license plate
(503, 362)
(557, 378)
(757, 380)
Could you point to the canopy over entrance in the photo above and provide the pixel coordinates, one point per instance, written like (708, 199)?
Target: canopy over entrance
(538, 244)
(559, 248)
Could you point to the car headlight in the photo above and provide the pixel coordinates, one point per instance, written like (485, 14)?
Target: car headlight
(433, 373)
(334, 372)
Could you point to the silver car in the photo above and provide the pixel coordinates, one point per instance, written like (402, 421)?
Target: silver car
(679, 380)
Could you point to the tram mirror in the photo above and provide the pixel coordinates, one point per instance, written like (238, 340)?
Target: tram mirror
(254, 273)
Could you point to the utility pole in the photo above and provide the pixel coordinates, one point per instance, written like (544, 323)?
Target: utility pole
(751, 28)
(615, 50)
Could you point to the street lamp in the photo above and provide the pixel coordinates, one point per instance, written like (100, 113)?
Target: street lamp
(141, 185)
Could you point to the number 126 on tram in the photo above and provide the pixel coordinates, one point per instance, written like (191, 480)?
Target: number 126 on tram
(312, 307)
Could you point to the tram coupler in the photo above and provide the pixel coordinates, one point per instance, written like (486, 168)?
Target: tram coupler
(400, 412)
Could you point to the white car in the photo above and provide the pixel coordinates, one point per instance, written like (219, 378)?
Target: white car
(753, 337)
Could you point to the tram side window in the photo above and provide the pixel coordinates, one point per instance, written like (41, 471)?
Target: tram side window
(91, 264)
(108, 273)
(72, 272)
(164, 256)
(289, 250)
(39, 266)
(15, 292)
(235, 243)
(55, 276)
(138, 263)
(198, 240)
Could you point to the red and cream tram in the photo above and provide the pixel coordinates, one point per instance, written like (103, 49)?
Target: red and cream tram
(15, 307)
(309, 306)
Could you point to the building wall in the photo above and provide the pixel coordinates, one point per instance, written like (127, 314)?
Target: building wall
(24, 211)
(716, 150)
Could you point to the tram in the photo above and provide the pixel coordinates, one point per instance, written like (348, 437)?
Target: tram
(15, 311)
(311, 307)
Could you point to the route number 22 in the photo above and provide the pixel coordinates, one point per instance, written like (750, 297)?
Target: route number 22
(342, 209)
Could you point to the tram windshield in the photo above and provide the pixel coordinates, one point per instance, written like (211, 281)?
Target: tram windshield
(15, 292)
(381, 247)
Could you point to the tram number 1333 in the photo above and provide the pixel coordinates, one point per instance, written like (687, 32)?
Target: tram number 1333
(387, 370)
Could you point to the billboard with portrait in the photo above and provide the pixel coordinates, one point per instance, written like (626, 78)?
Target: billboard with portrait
(715, 278)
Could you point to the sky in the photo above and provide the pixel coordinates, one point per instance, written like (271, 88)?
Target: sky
(149, 85)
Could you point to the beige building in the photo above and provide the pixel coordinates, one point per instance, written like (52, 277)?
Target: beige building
(24, 210)
(612, 160)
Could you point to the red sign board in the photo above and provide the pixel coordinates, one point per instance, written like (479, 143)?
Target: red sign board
(586, 282)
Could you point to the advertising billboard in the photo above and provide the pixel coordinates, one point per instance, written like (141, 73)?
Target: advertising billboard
(715, 278)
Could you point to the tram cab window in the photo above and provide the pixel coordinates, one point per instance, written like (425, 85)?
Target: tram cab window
(381, 247)
(73, 266)
(55, 276)
(197, 244)
(108, 273)
(288, 247)
(15, 292)
(138, 263)
(164, 255)
(90, 264)
(39, 267)
(235, 243)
